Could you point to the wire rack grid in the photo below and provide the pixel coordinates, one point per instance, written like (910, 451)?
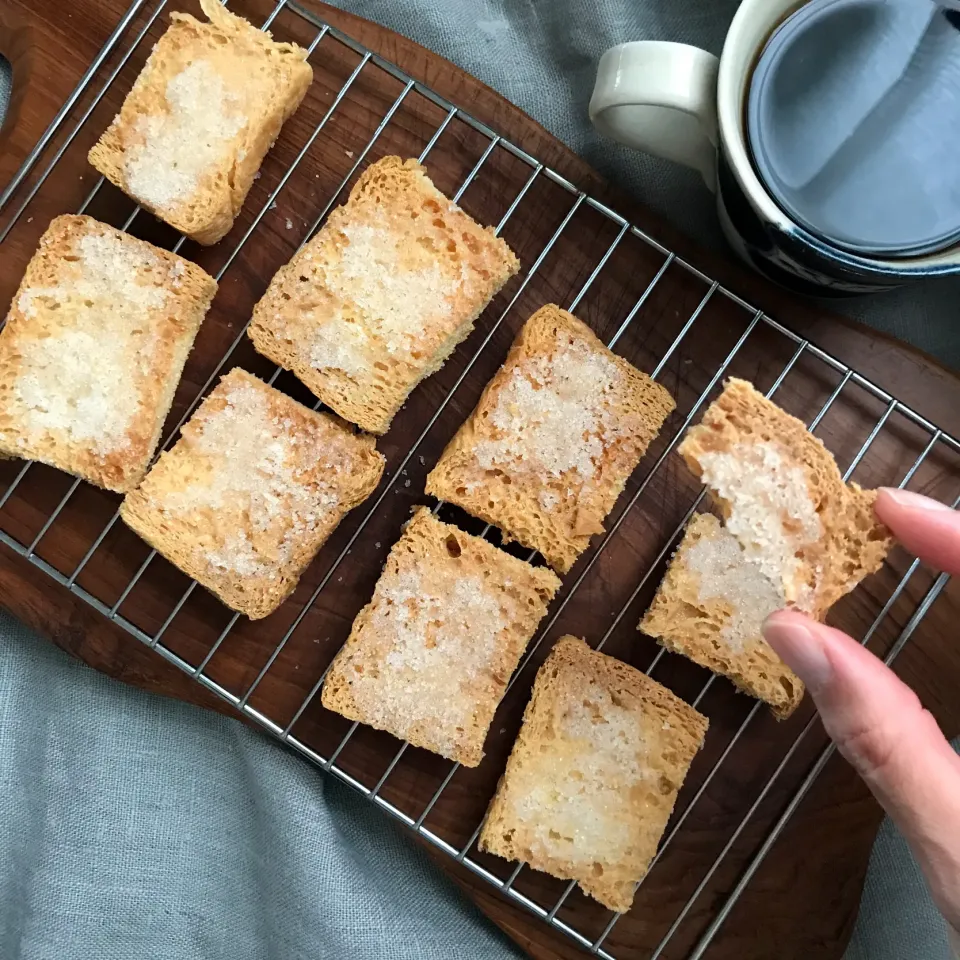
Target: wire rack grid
(597, 943)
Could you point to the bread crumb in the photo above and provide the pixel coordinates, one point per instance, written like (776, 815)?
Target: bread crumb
(250, 492)
(59, 389)
(554, 414)
(710, 608)
(378, 299)
(762, 488)
(428, 659)
(581, 818)
(594, 773)
(723, 573)
(93, 349)
(553, 439)
(203, 114)
(395, 300)
(289, 223)
(259, 466)
(197, 121)
(819, 535)
(445, 635)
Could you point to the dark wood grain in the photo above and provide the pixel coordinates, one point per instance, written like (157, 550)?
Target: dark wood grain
(803, 900)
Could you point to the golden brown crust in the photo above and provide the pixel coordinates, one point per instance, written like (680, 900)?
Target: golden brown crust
(688, 617)
(93, 349)
(852, 543)
(554, 513)
(429, 658)
(251, 491)
(381, 296)
(594, 773)
(262, 81)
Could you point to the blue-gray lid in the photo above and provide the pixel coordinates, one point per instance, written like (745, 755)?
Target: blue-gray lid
(853, 119)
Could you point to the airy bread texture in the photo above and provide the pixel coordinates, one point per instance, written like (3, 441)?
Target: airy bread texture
(254, 486)
(93, 349)
(198, 121)
(710, 608)
(594, 773)
(553, 440)
(382, 295)
(428, 659)
(783, 498)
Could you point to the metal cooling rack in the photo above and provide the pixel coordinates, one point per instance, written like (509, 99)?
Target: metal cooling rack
(801, 348)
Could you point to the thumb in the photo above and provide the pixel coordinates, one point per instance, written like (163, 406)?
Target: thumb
(880, 726)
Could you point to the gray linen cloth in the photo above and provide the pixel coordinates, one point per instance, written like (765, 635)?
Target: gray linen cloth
(133, 826)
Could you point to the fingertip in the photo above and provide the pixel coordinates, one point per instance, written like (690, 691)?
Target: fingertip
(795, 639)
(892, 502)
(926, 527)
(786, 617)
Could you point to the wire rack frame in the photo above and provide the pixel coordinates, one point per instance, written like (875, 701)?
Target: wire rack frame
(579, 199)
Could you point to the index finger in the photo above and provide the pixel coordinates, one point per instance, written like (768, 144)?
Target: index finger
(926, 527)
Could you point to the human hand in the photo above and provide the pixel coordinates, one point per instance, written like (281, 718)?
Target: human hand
(876, 721)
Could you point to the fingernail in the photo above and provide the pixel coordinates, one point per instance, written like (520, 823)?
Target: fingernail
(800, 648)
(913, 501)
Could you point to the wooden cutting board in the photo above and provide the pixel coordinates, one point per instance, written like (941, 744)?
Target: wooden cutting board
(803, 899)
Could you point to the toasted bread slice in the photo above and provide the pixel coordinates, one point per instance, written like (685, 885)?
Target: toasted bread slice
(428, 659)
(93, 349)
(195, 127)
(783, 498)
(251, 491)
(553, 440)
(710, 608)
(382, 295)
(594, 773)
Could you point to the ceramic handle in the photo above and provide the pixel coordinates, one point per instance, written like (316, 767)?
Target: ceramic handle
(660, 98)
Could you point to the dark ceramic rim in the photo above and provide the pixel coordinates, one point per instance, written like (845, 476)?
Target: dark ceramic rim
(908, 268)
